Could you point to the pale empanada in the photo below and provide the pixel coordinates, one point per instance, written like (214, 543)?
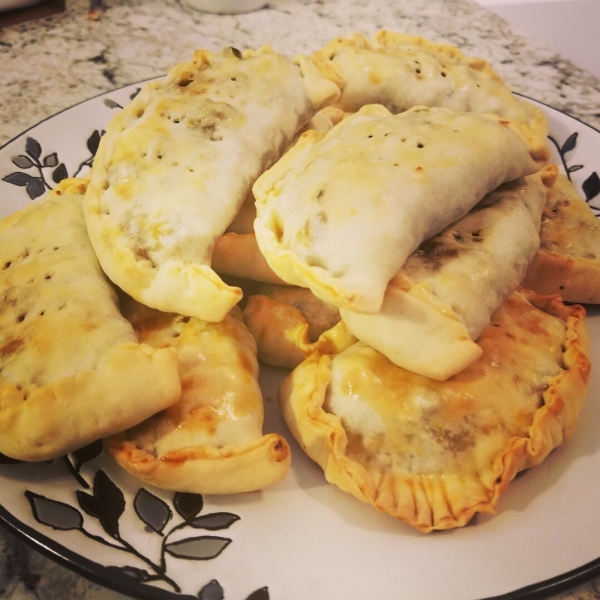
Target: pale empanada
(340, 212)
(438, 303)
(236, 253)
(434, 453)
(71, 368)
(568, 260)
(401, 71)
(211, 440)
(176, 164)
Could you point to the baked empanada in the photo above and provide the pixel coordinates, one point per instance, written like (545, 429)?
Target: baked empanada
(340, 212)
(289, 323)
(568, 260)
(211, 440)
(238, 255)
(434, 453)
(401, 71)
(71, 368)
(176, 164)
(438, 303)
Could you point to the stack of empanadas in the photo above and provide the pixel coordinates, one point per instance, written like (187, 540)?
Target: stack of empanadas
(374, 210)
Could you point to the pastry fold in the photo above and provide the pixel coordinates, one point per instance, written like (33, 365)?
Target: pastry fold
(176, 164)
(340, 212)
(211, 440)
(71, 368)
(289, 323)
(432, 453)
(438, 303)
(401, 71)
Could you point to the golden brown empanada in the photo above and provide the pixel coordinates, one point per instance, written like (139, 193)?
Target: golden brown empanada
(71, 368)
(289, 323)
(401, 71)
(238, 255)
(211, 440)
(340, 212)
(177, 163)
(434, 453)
(568, 260)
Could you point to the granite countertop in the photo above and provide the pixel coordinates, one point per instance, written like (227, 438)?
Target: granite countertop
(51, 64)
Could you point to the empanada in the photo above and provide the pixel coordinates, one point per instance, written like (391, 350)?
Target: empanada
(340, 212)
(238, 255)
(568, 260)
(176, 164)
(211, 440)
(289, 323)
(401, 71)
(440, 300)
(71, 368)
(434, 453)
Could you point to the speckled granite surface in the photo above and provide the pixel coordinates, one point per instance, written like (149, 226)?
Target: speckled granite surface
(49, 65)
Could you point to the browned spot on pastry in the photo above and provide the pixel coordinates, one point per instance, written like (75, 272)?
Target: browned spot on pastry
(281, 450)
(11, 347)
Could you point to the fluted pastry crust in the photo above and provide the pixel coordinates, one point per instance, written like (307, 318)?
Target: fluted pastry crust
(433, 453)
(401, 71)
(211, 440)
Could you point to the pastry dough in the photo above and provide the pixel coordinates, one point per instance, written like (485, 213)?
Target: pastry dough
(341, 211)
(438, 303)
(71, 368)
(289, 323)
(568, 260)
(433, 453)
(238, 255)
(401, 71)
(211, 441)
(175, 166)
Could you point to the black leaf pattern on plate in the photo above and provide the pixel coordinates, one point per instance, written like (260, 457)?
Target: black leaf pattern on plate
(152, 510)
(37, 184)
(77, 459)
(34, 186)
(53, 513)
(188, 505)
(107, 503)
(113, 104)
(215, 521)
(92, 144)
(260, 594)
(212, 591)
(591, 186)
(203, 547)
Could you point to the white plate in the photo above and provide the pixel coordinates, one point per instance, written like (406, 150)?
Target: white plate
(303, 538)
